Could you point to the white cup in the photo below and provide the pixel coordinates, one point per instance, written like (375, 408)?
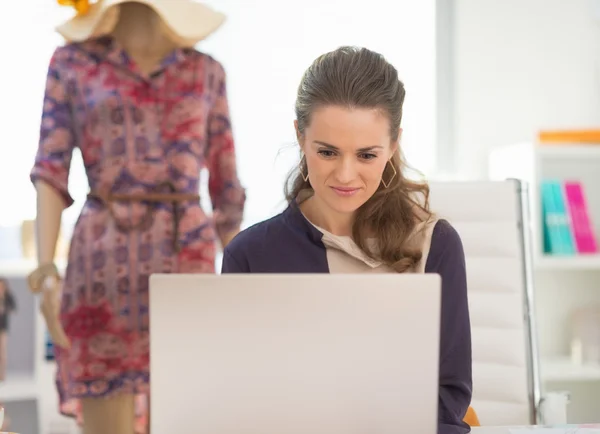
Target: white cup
(554, 408)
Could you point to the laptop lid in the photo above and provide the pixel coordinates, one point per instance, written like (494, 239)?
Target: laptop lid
(294, 354)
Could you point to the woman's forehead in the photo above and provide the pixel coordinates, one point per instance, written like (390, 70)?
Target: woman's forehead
(343, 128)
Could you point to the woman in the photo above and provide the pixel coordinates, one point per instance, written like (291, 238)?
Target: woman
(352, 210)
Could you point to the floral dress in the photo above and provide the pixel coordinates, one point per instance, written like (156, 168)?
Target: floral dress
(136, 132)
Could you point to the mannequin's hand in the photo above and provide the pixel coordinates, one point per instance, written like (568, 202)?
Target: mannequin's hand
(50, 307)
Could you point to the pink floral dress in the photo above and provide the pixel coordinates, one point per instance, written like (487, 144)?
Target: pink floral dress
(135, 132)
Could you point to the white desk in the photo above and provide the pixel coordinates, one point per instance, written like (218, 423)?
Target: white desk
(533, 430)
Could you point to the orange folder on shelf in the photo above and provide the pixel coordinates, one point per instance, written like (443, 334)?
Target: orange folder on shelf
(565, 137)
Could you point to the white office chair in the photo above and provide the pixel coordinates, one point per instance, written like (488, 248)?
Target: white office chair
(492, 219)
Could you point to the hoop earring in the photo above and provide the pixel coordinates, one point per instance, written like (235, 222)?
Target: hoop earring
(304, 177)
(387, 184)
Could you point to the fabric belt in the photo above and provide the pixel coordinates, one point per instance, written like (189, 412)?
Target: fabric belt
(156, 196)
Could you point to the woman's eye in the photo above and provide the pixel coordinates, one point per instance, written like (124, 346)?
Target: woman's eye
(326, 153)
(368, 156)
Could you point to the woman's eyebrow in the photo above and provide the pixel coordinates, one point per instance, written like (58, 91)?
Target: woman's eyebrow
(335, 148)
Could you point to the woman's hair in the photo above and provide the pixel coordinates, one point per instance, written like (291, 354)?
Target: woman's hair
(359, 78)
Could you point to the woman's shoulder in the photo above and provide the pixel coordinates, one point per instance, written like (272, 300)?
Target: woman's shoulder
(254, 235)
(260, 237)
(446, 246)
(285, 243)
(444, 231)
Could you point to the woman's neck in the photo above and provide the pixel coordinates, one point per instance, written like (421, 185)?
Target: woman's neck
(143, 35)
(319, 214)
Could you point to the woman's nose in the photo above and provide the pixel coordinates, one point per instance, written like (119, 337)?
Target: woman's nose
(346, 171)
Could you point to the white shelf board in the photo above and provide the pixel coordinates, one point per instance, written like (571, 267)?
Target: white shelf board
(576, 262)
(18, 388)
(21, 267)
(569, 151)
(563, 369)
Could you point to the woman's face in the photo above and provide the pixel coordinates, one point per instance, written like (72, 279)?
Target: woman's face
(346, 153)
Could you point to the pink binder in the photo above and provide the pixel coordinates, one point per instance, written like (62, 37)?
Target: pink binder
(583, 232)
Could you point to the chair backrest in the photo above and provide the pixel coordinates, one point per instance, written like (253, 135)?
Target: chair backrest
(492, 219)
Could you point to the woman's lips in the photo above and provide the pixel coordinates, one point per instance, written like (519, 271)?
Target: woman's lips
(345, 191)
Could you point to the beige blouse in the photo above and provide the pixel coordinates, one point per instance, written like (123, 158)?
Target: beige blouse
(344, 256)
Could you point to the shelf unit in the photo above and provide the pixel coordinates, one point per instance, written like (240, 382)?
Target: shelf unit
(562, 283)
(19, 387)
(562, 369)
(577, 263)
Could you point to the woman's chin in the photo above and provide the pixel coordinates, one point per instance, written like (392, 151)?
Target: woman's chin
(345, 205)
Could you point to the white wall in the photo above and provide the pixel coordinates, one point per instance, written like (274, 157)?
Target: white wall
(521, 66)
(265, 47)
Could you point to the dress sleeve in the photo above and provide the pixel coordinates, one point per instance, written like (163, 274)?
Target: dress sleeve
(57, 138)
(226, 192)
(446, 257)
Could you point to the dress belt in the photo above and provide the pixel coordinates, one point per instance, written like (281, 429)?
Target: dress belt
(171, 196)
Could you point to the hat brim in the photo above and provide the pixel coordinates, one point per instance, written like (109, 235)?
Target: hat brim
(189, 21)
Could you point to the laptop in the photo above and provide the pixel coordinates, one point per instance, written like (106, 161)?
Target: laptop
(294, 353)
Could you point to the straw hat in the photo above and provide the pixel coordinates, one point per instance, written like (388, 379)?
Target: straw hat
(189, 21)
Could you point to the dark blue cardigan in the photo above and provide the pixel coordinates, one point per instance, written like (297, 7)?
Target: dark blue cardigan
(288, 243)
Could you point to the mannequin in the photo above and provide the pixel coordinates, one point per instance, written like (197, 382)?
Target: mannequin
(143, 35)
(143, 151)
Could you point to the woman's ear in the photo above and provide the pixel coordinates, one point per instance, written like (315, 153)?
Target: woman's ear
(396, 144)
(298, 135)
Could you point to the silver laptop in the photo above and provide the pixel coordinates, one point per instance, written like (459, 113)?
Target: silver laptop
(294, 354)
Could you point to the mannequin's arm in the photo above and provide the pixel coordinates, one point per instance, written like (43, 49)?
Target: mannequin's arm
(226, 192)
(50, 175)
(50, 206)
